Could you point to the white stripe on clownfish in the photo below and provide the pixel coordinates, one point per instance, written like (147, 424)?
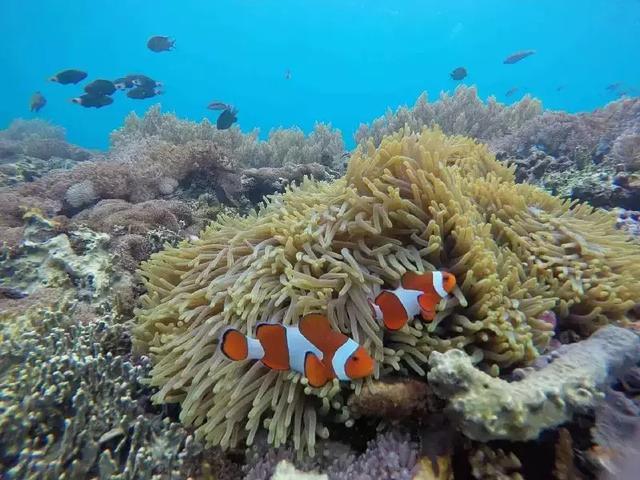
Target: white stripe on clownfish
(438, 284)
(340, 358)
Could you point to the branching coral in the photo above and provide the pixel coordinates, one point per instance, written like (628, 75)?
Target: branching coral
(390, 455)
(72, 407)
(462, 113)
(283, 147)
(420, 201)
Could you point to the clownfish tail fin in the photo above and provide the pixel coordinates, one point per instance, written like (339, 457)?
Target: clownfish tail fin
(236, 346)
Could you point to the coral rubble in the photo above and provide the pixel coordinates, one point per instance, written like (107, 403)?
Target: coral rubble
(418, 202)
(491, 409)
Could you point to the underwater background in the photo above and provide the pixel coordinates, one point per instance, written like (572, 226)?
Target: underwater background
(349, 60)
(355, 240)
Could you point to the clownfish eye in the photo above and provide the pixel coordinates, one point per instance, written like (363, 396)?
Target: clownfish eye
(355, 359)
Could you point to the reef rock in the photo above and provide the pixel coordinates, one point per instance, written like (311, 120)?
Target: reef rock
(489, 408)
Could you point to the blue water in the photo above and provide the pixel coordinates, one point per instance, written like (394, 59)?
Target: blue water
(349, 59)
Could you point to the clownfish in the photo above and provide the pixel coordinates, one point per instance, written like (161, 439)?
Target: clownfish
(312, 348)
(418, 293)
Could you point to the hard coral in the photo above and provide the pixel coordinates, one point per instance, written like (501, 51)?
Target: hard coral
(419, 202)
(283, 147)
(390, 455)
(70, 408)
(493, 409)
(462, 113)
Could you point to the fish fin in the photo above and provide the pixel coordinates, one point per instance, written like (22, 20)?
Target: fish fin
(315, 371)
(427, 307)
(394, 315)
(273, 338)
(234, 345)
(417, 281)
(314, 323)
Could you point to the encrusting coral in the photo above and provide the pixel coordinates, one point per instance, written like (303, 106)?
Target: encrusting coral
(494, 409)
(419, 202)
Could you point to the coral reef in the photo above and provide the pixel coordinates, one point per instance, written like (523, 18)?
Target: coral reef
(564, 468)
(494, 464)
(462, 113)
(31, 148)
(489, 408)
(393, 399)
(628, 221)
(391, 455)
(287, 471)
(71, 406)
(592, 157)
(283, 147)
(419, 202)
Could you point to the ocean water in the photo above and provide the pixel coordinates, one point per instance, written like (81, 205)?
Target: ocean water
(349, 59)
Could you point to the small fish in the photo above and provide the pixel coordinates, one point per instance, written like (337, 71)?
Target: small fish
(459, 73)
(144, 82)
(287, 74)
(511, 91)
(312, 348)
(96, 101)
(614, 86)
(418, 293)
(159, 43)
(124, 83)
(218, 106)
(516, 57)
(69, 76)
(227, 118)
(100, 87)
(37, 102)
(141, 93)
(560, 88)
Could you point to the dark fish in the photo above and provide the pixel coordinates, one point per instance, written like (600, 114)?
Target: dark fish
(614, 86)
(144, 82)
(227, 118)
(12, 293)
(140, 93)
(37, 102)
(287, 74)
(459, 73)
(511, 91)
(124, 83)
(96, 101)
(559, 88)
(516, 57)
(218, 106)
(100, 87)
(69, 76)
(160, 44)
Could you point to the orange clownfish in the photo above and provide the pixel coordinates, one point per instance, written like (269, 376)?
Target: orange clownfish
(312, 348)
(418, 293)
